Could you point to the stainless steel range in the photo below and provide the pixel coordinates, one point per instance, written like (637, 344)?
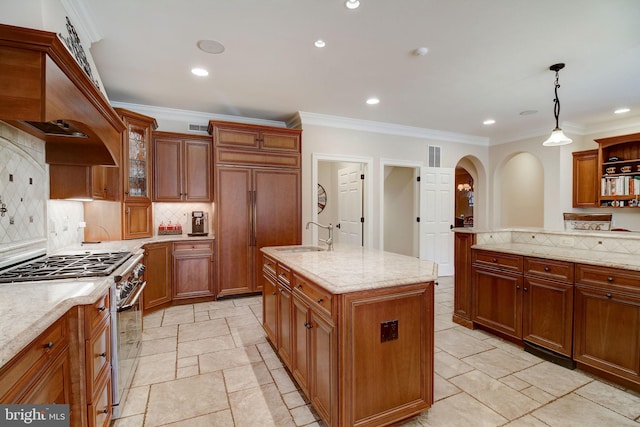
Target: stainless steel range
(125, 293)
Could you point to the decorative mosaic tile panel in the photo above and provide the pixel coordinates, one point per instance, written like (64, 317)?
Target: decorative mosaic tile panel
(180, 213)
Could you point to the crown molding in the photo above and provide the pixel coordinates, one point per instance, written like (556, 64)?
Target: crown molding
(621, 126)
(570, 128)
(317, 119)
(196, 117)
(82, 20)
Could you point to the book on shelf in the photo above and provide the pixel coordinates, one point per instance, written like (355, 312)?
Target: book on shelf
(620, 186)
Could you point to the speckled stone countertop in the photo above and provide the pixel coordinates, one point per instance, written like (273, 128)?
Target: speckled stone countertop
(350, 269)
(28, 308)
(584, 256)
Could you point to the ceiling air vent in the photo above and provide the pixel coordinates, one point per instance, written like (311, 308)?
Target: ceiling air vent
(194, 127)
(434, 156)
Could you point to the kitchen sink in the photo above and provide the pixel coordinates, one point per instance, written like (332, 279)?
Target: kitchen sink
(296, 249)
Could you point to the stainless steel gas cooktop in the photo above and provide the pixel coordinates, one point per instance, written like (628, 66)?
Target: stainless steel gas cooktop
(65, 267)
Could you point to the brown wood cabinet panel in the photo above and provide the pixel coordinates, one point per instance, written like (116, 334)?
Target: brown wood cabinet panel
(497, 300)
(300, 368)
(236, 137)
(547, 314)
(285, 337)
(197, 171)
(167, 169)
(69, 182)
(462, 278)
(53, 386)
(280, 141)
(137, 220)
(586, 179)
(319, 299)
(99, 410)
(193, 270)
(607, 331)
(322, 365)
(246, 136)
(614, 279)
(506, 262)
(270, 308)
(257, 158)
(98, 355)
(560, 271)
(157, 293)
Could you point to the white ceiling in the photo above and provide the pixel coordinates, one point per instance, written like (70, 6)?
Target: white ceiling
(486, 59)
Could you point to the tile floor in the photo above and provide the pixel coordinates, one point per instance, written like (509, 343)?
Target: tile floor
(208, 364)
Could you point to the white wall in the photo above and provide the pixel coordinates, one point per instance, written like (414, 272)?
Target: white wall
(399, 214)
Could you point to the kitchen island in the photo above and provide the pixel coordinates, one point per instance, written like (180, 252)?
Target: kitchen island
(355, 329)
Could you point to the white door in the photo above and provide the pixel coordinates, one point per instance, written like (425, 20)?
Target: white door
(350, 205)
(436, 213)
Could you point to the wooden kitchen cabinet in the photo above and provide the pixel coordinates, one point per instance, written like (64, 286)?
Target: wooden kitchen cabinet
(182, 168)
(135, 171)
(105, 183)
(618, 164)
(157, 259)
(462, 278)
(193, 269)
(98, 361)
(497, 292)
(586, 179)
(255, 207)
(607, 322)
(83, 182)
(548, 304)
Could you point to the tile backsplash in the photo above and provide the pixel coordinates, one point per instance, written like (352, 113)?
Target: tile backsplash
(180, 213)
(63, 224)
(23, 188)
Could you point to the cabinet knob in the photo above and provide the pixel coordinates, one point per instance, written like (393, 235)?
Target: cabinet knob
(299, 286)
(308, 325)
(494, 260)
(546, 268)
(320, 300)
(610, 279)
(105, 411)
(274, 293)
(608, 296)
(49, 345)
(517, 286)
(526, 289)
(103, 354)
(102, 308)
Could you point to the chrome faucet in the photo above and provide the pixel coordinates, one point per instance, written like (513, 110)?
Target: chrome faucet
(328, 241)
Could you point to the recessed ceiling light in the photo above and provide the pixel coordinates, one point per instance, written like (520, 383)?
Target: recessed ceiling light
(421, 51)
(373, 101)
(352, 4)
(622, 110)
(210, 46)
(320, 43)
(200, 72)
(528, 112)
(488, 122)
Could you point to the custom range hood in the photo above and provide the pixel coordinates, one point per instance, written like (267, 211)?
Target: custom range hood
(44, 92)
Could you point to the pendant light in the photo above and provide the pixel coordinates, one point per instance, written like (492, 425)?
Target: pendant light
(557, 135)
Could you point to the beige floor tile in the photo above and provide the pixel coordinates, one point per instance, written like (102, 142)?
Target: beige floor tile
(187, 361)
(526, 421)
(186, 398)
(201, 330)
(538, 395)
(187, 371)
(132, 421)
(497, 396)
(251, 300)
(178, 316)
(617, 400)
(497, 363)
(260, 407)
(229, 311)
(243, 320)
(162, 345)
(514, 382)
(553, 379)
(207, 345)
(460, 410)
(136, 401)
(458, 344)
(248, 335)
(443, 321)
(574, 410)
(230, 358)
(294, 399)
(257, 311)
(201, 316)
(448, 366)
(153, 320)
(247, 376)
(150, 333)
(216, 419)
(212, 305)
(304, 415)
(443, 388)
(283, 381)
(155, 368)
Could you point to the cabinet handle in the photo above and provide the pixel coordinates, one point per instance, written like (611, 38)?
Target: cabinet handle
(494, 260)
(103, 354)
(608, 296)
(517, 286)
(308, 325)
(274, 293)
(320, 300)
(105, 411)
(526, 289)
(101, 309)
(546, 268)
(49, 345)
(299, 286)
(610, 279)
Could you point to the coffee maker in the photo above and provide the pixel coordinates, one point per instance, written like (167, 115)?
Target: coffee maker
(198, 223)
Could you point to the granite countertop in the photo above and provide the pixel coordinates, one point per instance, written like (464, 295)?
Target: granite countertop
(350, 269)
(585, 256)
(28, 308)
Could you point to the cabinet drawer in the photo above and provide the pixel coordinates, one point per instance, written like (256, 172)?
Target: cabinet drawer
(194, 246)
(96, 312)
(284, 275)
(507, 262)
(280, 142)
(99, 410)
(316, 296)
(98, 355)
(610, 278)
(31, 361)
(560, 271)
(269, 265)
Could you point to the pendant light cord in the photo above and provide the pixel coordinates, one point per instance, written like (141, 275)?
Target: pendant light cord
(556, 107)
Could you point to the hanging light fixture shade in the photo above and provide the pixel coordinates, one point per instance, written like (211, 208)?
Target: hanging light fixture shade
(557, 135)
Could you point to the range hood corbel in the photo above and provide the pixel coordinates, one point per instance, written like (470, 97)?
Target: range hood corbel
(47, 94)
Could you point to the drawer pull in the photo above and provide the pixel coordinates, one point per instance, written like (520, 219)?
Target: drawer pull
(546, 268)
(608, 296)
(105, 411)
(103, 354)
(610, 279)
(526, 289)
(494, 260)
(49, 345)
(274, 292)
(102, 308)
(308, 325)
(517, 286)
(319, 300)
(299, 286)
